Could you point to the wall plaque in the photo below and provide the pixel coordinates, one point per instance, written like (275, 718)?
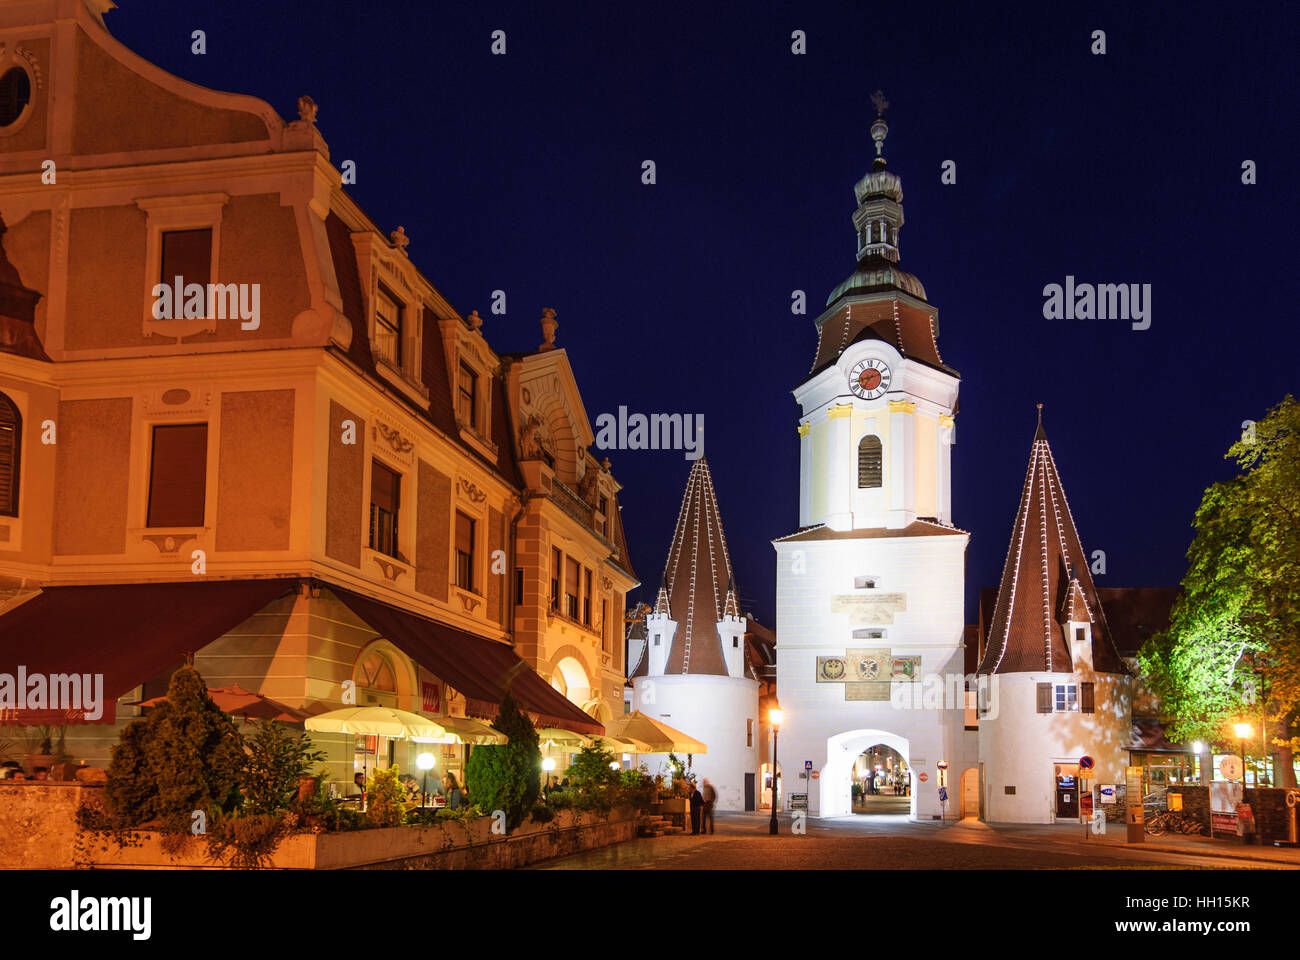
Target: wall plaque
(867, 610)
(867, 691)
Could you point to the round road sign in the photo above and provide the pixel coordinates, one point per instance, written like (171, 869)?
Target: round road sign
(1086, 762)
(942, 764)
(924, 776)
(1230, 767)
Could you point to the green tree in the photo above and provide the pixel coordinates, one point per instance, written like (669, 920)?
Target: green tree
(274, 760)
(1232, 651)
(507, 777)
(186, 756)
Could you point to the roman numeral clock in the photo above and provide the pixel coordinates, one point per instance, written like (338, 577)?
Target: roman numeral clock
(870, 378)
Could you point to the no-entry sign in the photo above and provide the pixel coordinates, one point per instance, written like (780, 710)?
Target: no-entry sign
(924, 776)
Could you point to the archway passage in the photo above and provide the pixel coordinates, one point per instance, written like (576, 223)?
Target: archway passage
(842, 757)
(882, 782)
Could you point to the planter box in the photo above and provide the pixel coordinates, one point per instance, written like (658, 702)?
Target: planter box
(466, 844)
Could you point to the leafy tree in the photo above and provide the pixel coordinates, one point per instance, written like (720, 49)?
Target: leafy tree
(1232, 651)
(590, 770)
(186, 756)
(507, 777)
(274, 761)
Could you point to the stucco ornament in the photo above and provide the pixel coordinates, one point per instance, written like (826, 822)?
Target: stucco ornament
(307, 109)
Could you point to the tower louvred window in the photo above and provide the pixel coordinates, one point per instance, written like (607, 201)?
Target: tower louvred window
(870, 458)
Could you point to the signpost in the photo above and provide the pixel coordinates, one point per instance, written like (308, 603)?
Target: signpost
(942, 766)
(1086, 772)
(1135, 818)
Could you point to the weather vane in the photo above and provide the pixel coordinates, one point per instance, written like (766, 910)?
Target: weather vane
(879, 102)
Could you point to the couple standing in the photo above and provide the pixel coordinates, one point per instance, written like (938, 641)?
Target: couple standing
(702, 804)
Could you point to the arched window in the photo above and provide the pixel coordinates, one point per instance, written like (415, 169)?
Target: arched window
(377, 674)
(869, 459)
(11, 442)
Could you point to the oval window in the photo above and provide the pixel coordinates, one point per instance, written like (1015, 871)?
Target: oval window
(15, 94)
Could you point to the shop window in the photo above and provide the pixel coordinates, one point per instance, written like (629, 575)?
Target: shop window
(11, 444)
(464, 552)
(178, 474)
(385, 500)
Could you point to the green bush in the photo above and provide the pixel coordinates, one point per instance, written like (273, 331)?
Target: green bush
(507, 777)
(543, 814)
(250, 839)
(274, 761)
(385, 798)
(559, 800)
(186, 756)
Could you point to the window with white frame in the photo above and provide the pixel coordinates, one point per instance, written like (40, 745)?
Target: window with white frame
(1066, 699)
(388, 328)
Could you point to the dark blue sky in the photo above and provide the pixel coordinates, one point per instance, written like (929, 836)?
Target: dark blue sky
(522, 173)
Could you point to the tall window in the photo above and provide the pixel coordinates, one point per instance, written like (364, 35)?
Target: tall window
(464, 551)
(467, 396)
(186, 254)
(604, 625)
(11, 444)
(178, 474)
(385, 499)
(388, 328)
(870, 455)
(749, 732)
(571, 588)
(557, 561)
(586, 596)
(603, 510)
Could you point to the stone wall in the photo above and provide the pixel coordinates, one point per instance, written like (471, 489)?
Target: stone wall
(38, 830)
(1196, 801)
(1272, 815)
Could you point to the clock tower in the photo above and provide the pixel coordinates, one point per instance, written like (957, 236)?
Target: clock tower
(870, 587)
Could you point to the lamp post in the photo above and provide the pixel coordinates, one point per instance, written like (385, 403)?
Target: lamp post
(548, 765)
(775, 715)
(1244, 732)
(425, 762)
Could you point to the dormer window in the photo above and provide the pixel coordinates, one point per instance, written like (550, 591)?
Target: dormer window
(388, 328)
(467, 396)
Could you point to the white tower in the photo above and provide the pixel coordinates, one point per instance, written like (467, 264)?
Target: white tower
(870, 588)
(693, 674)
(1053, 687)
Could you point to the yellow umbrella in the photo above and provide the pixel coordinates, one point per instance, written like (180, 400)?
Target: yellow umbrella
(376, 722)
(623, 745)
(562, 741)
(465, 730)
(654, 735)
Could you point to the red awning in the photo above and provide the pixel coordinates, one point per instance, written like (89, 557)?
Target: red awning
(126, 633)
(479, 668)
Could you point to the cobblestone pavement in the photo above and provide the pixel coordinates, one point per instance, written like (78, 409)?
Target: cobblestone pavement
(892, 843)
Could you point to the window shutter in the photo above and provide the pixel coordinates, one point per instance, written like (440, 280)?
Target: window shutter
(464, 534)
(187, 254)
(384, 488)
(11, 433)
(1087, 703)
(178, 475)
(870, 454)
(1044, 698)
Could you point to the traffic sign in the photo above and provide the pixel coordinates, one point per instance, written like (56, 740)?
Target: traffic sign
(943, 794)
(942, 764)
(924, 776)
(816, 774)
(807, 764)
(1086, 763)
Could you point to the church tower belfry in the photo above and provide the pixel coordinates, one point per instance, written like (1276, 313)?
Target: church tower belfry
(879, 406)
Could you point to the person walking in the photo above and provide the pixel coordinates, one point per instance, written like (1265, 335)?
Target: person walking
(697, 807)
(710, 800)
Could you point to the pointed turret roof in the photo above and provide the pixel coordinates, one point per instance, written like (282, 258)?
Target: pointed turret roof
(698, 579)
(1046, 582)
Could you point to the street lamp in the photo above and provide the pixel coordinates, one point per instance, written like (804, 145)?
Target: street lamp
(548, 765)
(425, 762)
(614, 765)
(775, 715)
(1244, 732)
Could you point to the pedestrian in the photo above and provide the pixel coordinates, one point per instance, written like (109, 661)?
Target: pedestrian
(359, 785)
(871, 781)
(451, 788)
(710, 800)
(697, 807)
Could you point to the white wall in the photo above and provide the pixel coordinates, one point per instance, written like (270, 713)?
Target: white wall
(1019, 746)
(930, 571)
(713, 710)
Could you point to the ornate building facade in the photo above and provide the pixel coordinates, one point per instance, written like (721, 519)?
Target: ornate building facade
(240, 424)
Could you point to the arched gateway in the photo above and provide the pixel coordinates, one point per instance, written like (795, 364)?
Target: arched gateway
(842, 751)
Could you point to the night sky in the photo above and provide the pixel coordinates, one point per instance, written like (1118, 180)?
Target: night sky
(523, 173)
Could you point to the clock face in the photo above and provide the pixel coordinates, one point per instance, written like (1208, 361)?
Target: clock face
(870, 379)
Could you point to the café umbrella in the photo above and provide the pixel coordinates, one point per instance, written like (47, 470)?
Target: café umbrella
(376, 722)
(656, 735)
